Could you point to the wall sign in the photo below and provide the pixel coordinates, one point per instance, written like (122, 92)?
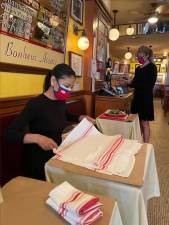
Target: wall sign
(38, 27)
(15, 51)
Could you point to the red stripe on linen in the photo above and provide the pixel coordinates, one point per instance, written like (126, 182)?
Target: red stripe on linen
(91, 217)
(73, 197)
(110, 156)
(112, 145)
(85, 206)
(113, 117)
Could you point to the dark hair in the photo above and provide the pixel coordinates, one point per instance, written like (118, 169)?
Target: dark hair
(59, 71)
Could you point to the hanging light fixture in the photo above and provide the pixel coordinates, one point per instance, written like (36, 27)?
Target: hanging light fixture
(128, 54)
(83, 42)
(114, 32)
(130, 30)
(153, 19)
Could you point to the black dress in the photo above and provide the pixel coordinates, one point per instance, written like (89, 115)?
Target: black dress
(143, 83)
(41, 116)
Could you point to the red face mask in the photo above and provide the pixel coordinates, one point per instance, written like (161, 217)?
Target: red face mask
(141, 60)
(63, 93)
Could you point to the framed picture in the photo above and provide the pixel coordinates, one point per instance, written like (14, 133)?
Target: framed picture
(158, 67)
(101, 45)
(77, 7)
(76, 63)
(101, 48)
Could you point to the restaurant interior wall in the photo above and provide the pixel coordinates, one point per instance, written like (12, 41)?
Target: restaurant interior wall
(18, 84)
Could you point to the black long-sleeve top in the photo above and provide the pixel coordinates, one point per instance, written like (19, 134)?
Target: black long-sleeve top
(145, 78)
(41, 116)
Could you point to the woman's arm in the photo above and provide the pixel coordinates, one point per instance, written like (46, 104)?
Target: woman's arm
(147, 81)
(17, 132)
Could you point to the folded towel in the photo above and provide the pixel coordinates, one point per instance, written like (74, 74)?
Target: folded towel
(88, 218)
(113, 117)
(66, 197)
(99, 152)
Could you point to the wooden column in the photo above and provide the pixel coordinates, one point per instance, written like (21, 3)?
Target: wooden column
(90, 14)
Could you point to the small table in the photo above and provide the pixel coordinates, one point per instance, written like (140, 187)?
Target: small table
(131, 193)
(24, 204)
(130, 128)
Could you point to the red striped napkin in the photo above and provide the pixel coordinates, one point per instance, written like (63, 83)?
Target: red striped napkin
(75, 206)
(120, 117)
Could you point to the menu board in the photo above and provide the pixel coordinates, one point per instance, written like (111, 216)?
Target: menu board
(41, 22)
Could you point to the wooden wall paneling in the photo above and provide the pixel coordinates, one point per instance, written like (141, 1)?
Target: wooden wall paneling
(102, 103)
(90, 14)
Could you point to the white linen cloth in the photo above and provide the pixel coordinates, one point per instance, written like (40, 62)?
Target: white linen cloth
(93, 150)
(132, 200)
(73, 205)
(129, 130)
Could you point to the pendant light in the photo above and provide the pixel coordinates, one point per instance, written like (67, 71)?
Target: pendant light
(128, 54)
(114, 32)
(153, 19)
(130, 30)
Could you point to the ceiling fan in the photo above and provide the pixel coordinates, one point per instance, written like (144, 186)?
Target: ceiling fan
(159, 10)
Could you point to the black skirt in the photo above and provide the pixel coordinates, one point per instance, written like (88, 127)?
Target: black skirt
(142, 104)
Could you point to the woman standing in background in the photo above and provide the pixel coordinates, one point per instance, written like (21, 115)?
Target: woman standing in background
(143, 83)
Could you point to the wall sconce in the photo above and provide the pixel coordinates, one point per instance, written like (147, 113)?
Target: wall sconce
(83, 42)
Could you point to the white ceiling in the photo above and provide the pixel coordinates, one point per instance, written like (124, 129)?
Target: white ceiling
(159, 43)
(130, 11)
(134, 11)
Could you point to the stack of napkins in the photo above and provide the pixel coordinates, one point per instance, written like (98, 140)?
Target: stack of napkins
(73, 205)
(87, 147)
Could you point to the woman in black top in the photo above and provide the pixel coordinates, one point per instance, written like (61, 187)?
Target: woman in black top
(45, 117)
(143, 83)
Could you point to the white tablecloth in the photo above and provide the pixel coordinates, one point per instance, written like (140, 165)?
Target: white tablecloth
(25, 204)
(129, 130)
(132, 200)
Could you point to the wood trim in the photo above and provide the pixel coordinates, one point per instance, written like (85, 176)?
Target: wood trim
(13, 105)
(7, 67)
(105, 13)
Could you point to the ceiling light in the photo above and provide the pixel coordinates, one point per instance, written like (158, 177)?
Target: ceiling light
(114, 32)
(153, 19)
(130, 30)
(128, 54)
(165, 54)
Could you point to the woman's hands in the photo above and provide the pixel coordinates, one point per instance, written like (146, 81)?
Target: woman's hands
(92, 120)
(44, 142)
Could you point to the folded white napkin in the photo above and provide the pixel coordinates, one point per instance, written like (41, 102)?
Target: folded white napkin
(85, 219)
(87, 147)
(73, 205)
